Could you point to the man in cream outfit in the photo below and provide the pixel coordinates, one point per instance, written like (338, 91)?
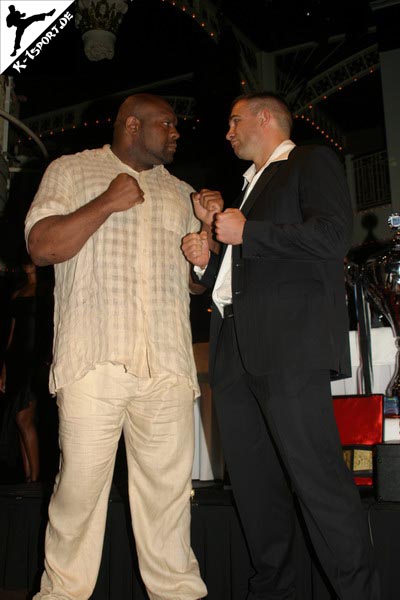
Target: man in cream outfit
(112, 221)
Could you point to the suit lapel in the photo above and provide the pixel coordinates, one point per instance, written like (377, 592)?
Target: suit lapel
(263, 181)
(261, 184)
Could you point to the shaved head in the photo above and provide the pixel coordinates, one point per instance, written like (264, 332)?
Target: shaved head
(139, 106)
(145, 131)
(274, 103)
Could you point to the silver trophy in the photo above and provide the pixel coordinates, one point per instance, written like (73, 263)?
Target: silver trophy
(381, 278)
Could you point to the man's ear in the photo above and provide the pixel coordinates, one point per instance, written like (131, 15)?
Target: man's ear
(132, 124)
(264, 116)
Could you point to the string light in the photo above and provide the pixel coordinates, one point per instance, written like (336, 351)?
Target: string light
(317, 127)
(194, 15)
(96, 122)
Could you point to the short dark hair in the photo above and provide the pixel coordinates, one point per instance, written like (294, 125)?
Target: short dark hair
(274, 102)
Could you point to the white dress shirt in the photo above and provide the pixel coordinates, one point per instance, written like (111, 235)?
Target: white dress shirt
(222, 293)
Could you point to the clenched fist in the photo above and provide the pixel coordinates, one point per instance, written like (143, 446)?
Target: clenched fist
(123, 193)
(206, 204)
(229, 226)
(195, 249)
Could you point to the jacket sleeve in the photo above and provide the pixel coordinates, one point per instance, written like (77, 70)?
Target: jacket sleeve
(326, 229)
(210, 274)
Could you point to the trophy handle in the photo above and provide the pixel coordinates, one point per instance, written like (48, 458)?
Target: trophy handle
(393, 387)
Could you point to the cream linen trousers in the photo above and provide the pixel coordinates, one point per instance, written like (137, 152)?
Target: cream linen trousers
(156, 417)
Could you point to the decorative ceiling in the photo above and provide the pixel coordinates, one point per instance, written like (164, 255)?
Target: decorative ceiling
(325, 56)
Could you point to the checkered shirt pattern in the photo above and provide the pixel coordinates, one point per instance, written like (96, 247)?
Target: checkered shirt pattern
(124, 298)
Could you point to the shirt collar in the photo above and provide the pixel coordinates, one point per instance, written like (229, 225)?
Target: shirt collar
(107, 148)
(281, 152)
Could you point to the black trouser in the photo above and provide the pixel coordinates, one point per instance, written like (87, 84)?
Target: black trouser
(279, 435)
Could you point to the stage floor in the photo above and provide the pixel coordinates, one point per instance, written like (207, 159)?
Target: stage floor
(217, 540)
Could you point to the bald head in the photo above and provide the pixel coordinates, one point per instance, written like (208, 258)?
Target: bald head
(145, 131)
(140, 106)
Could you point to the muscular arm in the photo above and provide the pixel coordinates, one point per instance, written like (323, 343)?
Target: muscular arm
(58, 238)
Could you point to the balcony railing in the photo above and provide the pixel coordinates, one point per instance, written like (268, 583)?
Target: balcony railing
(371, 174)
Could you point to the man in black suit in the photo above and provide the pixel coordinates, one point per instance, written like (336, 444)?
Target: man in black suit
(279, 331)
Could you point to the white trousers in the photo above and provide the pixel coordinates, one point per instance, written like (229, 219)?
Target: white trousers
(156, 417)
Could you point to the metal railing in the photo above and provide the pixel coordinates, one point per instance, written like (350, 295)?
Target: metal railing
(371, 174)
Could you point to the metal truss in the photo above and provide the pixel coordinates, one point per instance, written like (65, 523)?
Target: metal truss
(72, 117)
(335, 78)
(206, 14)
(325, 126)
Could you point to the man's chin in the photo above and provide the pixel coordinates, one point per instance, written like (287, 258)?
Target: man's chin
(168, 158)
(237, 151)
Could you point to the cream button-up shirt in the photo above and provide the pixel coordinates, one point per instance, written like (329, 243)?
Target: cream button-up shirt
(124, 298)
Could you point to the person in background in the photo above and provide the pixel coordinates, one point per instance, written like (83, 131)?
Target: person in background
(23, 375)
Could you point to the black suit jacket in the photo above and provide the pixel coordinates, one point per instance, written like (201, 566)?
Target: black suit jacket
(288, 275)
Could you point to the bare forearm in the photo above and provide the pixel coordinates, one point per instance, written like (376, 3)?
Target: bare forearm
(196, 288)
(58, 238)
(213, 245)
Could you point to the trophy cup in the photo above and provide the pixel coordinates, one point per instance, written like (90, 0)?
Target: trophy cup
(381, 278)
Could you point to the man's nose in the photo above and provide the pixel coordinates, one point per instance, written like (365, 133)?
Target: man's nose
(175, 133)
